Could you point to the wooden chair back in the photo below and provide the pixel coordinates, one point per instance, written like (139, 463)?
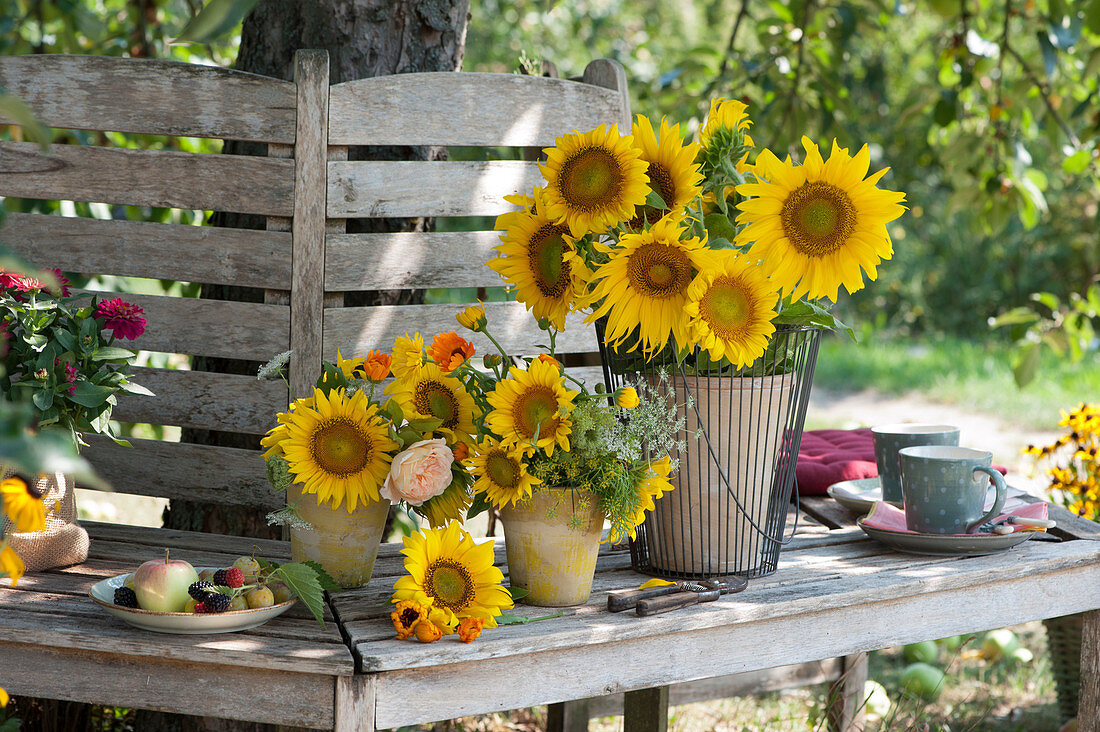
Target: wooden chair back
(304, 260)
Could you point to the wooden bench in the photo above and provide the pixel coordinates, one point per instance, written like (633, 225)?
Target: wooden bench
(836, 595)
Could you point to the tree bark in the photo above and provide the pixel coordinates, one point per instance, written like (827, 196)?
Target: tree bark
(364, 38)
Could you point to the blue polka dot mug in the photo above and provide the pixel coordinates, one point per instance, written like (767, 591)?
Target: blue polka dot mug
(944, 488)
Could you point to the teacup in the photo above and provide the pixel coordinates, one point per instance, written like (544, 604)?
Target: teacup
(945, 488)
(893, 437)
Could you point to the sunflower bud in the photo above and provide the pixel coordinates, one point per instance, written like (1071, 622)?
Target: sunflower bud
(278, 472)
(544, 323)
(626, 397)
(472, 318)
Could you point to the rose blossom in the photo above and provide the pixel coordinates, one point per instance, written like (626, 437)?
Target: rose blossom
(421, 472)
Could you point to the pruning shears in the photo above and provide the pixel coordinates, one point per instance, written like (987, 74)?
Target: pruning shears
(654, 600)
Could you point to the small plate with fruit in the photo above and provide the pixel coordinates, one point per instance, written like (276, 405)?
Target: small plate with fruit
(171, 596)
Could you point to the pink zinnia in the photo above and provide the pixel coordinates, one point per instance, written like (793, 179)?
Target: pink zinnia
(10, 280)
(63, 281)
(70, 374)
(121, 317)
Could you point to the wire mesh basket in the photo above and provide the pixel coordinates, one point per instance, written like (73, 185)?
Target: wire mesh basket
(727, 514)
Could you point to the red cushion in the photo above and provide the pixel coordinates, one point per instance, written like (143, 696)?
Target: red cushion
(830, 456)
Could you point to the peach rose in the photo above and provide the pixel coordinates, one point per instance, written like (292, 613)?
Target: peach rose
(421, 472)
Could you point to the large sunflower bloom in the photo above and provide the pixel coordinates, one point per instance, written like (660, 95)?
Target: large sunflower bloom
(673, 174)
(428, 392)
(408, 355)
(11, 564)
(644, 286)
(539, 261)
(531, 409)
(23, 505)
(453, 574)
(338, 449)
(501, 474)
(593, 180)
(818, 225)
(730, 309)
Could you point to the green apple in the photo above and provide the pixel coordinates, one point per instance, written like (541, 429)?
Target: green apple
(999, 644)
(161, 584)
(924, 651)
(923, 680)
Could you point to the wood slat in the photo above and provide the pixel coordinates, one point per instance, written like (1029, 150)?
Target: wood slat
(204, 400)
(240, 183)
(159, 251)
(410, 260)
(386, 188)
(477, 109)
(359, 330)
(242, 330)
(151, 97)
(225, 475)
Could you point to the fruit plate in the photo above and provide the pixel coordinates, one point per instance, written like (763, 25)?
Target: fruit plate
(187, 623)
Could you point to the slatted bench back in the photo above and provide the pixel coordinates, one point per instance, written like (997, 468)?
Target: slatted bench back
(445, 109)
(306, 188)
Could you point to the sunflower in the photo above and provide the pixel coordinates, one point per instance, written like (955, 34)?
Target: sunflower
(23, 505)
(449, 572)
(338, 449)
(673, 174)
(538, 260)
(408, 354)
(653, 485)
(11, 564)
(450, 350)
(818, 225)
(273, 440)
(352, 368)
(730, 309)
(726, 116)
(427, 392)
(501, 474)
(448, 506)
(593, 180)
(531, 409)
(644, 286)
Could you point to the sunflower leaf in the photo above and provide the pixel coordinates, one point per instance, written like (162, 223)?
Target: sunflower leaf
(654, 200)
(479, 506)
(426, 424)
(302, 581)
(518, 593)
(393, 409)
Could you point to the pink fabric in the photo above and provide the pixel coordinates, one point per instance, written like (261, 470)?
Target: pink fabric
(891, 518)
(826, 457)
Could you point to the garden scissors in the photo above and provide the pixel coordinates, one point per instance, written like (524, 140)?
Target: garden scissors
(654, 600)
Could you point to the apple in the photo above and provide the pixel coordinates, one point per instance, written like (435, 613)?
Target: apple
(922, 680)
(161, 584)
(924, 651)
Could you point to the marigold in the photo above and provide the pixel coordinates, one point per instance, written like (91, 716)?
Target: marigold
(547, 358)
(408, 355)
(472, 318)
(460, 450)
(427, 632)
(121, 317)
(470, 629)
(376, 367)
(406, 616)
(450, 350)
(626, 397)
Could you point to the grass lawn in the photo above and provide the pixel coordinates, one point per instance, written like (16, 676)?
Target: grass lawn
(955, 371)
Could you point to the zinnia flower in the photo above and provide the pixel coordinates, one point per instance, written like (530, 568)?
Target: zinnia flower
(121, 317)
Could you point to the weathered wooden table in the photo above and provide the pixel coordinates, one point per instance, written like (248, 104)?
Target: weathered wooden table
(836, 594)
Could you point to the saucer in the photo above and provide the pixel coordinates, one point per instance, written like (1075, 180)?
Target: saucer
(956, 545)
(858, 496)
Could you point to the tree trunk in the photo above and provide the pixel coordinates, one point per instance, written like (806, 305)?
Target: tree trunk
(364, 38)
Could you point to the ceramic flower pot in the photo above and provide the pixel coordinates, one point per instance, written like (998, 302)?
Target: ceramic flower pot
(552, 541)
(345, 544)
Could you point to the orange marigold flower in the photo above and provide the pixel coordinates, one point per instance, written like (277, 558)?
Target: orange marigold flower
(460, 450)
(407, 616)
(427, 632)
(376, 366)
(470, 628)
(450, 350)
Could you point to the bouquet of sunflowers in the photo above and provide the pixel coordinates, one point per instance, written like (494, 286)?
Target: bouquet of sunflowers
(703, 247)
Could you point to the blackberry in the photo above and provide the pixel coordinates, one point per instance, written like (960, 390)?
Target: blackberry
(200, 589)
(125, 597)
(216, 602)
(234, 577)
(219, 578)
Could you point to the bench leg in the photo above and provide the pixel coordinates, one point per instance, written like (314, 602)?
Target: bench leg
(646, 710)
(1088, 705)
(846, 702)
(354, 711)
(570, 716)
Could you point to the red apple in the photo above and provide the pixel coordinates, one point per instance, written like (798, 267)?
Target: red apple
(161, 584)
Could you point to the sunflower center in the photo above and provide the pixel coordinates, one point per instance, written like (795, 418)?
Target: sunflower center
(818, 218)
(501, 469)
(726, 307)
(435, 399)
(590, 178)
(659, 271)
(340, 447)
(449, 583)
(534, 410)
(545, 255)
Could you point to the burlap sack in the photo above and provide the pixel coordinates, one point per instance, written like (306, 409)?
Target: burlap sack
(63, 542)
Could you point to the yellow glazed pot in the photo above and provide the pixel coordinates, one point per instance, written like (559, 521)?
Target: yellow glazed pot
(552, 541)
(345, 544)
